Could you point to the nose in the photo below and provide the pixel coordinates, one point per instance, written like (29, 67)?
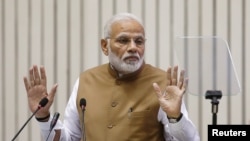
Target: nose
(132, 46)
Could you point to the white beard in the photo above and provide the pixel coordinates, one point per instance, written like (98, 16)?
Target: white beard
(125, 67)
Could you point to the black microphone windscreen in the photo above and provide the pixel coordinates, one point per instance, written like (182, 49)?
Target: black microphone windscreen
(83, 102)
(43, 102)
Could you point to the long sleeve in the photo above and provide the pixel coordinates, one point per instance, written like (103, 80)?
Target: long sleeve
(70, 127)
(184, 130)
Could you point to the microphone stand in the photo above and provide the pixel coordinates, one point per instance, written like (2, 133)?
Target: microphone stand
(83, 106)
(26, 123)
(214, 96)
(83, 126)
(42, 103)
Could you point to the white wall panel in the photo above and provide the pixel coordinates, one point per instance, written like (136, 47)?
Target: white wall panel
(236, 49)
(64, 36)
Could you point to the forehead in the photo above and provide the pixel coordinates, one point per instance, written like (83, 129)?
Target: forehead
(127, 27)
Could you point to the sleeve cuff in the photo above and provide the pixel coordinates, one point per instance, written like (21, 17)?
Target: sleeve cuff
(46, 125)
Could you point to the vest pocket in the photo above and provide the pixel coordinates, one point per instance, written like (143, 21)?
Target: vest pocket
(140, 117)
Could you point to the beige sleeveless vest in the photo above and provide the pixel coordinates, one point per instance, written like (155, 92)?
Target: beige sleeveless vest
(121, 109)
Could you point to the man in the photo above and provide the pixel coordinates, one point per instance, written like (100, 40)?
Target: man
(127, 98)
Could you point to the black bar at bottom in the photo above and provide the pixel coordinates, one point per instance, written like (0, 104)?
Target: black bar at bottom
(221, 132)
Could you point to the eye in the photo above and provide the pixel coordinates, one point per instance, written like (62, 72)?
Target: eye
(139, 41)
(123, 40)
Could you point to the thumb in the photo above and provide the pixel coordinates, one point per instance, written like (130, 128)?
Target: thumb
(157, 90)
(53, 92)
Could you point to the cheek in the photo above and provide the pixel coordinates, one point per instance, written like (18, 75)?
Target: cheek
(118, 51)
(141, 52)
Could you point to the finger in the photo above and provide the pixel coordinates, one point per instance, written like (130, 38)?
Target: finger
(157, 90)
(36, 75)
(175, 75)
(43, 76)
(26, 83)
(181, 80)
(169, 76)
(185, 84)
(31, 77)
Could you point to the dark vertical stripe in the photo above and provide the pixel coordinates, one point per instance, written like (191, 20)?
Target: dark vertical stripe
(100, 10)
(68, 46)
(200, 70)
(243, 58)
(81, 35)
(3, 91)
(143, 16)
(157, 39)
(29, 27)
(185, 25)
(114, 7)
(143, 12)
(214, 57)
(16, 68)
(129, 6)
(42, 33)
(55, 49)
(171, 32)
(186, 20)
(229, 43)
(214, 12)
(29, 52)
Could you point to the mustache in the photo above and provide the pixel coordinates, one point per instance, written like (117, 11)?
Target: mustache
(128, 55)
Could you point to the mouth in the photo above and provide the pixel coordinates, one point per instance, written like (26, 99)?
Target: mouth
(131, 58)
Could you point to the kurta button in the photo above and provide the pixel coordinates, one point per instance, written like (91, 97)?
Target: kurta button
(110, 126)
(114, 104)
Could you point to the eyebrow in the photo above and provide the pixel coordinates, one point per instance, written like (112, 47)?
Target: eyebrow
(126, 35)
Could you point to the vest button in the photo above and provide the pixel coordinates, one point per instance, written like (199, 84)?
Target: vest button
(114, 104)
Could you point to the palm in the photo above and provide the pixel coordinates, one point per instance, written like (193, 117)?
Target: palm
(36, 90)
(170, 100)
(35, 95)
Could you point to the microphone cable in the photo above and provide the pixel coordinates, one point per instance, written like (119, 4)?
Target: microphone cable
(53, 123)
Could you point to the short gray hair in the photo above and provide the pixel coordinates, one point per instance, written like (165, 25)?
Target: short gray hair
(119, 17)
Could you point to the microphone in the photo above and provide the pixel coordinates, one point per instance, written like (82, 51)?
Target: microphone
(83, 106)
(42, 103)
(53, 123)
(54, 120)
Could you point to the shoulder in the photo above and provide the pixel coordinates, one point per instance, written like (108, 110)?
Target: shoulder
(148, 68)
(94, 70)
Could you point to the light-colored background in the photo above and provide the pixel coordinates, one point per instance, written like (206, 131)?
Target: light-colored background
(64, 35)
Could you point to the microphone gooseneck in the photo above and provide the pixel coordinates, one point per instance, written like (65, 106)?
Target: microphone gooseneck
(83, 106)
(42, 103)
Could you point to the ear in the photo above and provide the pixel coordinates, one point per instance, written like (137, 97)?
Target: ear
(104, 47)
